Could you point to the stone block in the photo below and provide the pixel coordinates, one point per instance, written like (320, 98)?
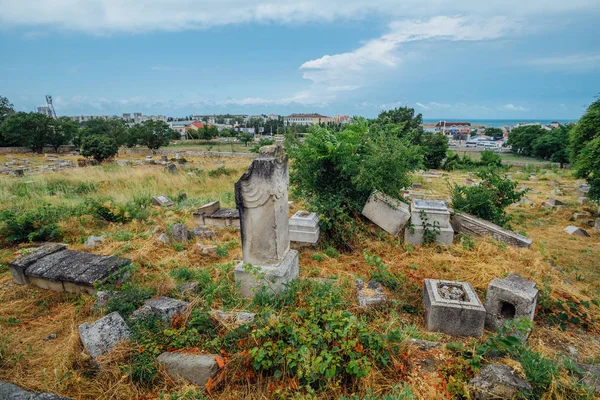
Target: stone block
(414, 235)
(597, 224)
(206, 250)
(469, 224)
(195, 368)
(93, 241)
(304, 227)
(163, 238)
(233, 318)
(179, 233)
(164, 308)
(453, 308)
(579, 216)
(8, 391)
(19, 265)
(100, 337)
(553, 203)
(275, 277)
(172, 169)
(435, 210)
(162, 200)
(575, 231)
(509, 298)
(387, 213)
(201, 233)
(369, 294)
(210, 208)
(497, 382)
(583, 200)
(417, 185)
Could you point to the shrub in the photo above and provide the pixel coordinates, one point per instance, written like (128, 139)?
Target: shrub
(489, 199)
(110, 211)
(262, 143)
(98, 147)
(490, 159)
(39, 224)
(129, 298)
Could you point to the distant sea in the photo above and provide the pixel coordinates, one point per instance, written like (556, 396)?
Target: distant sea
(496, 123)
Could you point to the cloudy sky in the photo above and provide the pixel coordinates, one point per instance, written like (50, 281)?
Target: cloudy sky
(517, 59)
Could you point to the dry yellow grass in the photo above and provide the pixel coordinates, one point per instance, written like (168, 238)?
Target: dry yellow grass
(28, 315)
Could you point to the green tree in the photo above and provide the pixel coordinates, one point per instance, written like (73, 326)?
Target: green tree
(26, 129)
(586, 129)
(401, 120)
(6, 108)
(587, 166)
(244, 138)
(100, 147)
(154, 134)
(336, 171)
(434, 147)
(494, 132)
(490, 159)
(62, 131)
(553, 146)
(117, 129)
(521, 139)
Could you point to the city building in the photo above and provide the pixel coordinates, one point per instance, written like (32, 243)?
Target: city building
(126, 116)
(306, 119)
(137, 117)
(453, 127)
(342, 119)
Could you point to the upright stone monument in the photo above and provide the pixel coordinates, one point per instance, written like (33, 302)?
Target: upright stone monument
(261, 197)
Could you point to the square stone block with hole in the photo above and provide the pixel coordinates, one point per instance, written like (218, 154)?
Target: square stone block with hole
(453, 308)
(436, 211)
(274, 276)
(304, 227)
(387, 213)
(509, 298)
(414, 235)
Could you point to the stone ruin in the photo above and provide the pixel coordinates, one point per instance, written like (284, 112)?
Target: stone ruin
(437, 216)
(162, 201)
(469, 224)
(304, 228)
(53, 267)
(576, 231)
(212, 214)
(369, 294)
(261, 197)
(386, 212)
(509, 298)
(453, 308)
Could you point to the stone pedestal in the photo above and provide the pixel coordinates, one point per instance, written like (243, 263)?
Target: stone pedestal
(387, 213)
(261, 197)
(508, 299)
(436, 215)
(304, 227)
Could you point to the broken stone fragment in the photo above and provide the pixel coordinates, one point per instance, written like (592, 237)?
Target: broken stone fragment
(164, 308)
(93, 241)
(162, 200)
(179, 233)
(386, 212)
(98, 338)
(201, 233)
(163, 238)
(229, 318)
(102, 298)
(9, 391)
(497, 382)
(197, 369)
(206, 250)
(369, 294)
(575, 231)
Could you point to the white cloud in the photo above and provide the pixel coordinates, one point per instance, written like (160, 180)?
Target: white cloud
(512, 107)
(106, 16)
(568, 62)
(423, 106)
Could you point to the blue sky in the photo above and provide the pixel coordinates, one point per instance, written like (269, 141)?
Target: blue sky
(525, 59)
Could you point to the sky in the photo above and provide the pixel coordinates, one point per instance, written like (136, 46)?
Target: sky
(511, 59)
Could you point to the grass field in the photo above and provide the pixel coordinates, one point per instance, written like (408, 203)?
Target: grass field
(507, 157)
(565, 268)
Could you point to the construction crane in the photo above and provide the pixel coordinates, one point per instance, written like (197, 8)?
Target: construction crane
(50, 106)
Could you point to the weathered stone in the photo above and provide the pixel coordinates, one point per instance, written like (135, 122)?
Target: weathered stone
(425, 344)
(19, 265)
(387, 213)
(304, 227)
(525, 200)
(210, 208)
(172, 169)
(370, 294)
(417, 185)
(578, 216)
(261, 197)
(179, 233)
(201, 233)
(102, 298)
(229, 318)
(212, 214)
(162, 200)
(178, 156)
(497, 382)
(56, 268)
(553, 203)
(93, 241)
(8, 391)
(51, 336)
(591, 376)
(597, 224)
(100, 337)
(415, 235)
(583, 200)
(206, 249)
(509, 298)
(437, 217)
(164, 158)
(573, 230)
(189, 287)
(469, 224)
(164, 308)
(458, 317)
(163, 238)
(197, 369)
(469, 182)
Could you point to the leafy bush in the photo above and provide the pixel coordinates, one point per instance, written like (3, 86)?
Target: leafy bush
(38, 224)
(98, 147)
(215, 173)
(336, 171)
(489, 199)
(490, 159)
(262, 143)
(110, 211)
(129, 298)
(435, 147)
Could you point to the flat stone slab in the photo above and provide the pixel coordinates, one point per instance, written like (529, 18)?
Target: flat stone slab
(274, 276)
(509, 298)
(369, 294)
(453, 308)
(9, 391)
(469, 224)
(164, 308)
(197, 369)
(552, 203)
(575, 231)
(54, 267)
(233, 318)
(497, 382)
(386, 212)
(100, 337)
(304, 227)
(162, 200)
